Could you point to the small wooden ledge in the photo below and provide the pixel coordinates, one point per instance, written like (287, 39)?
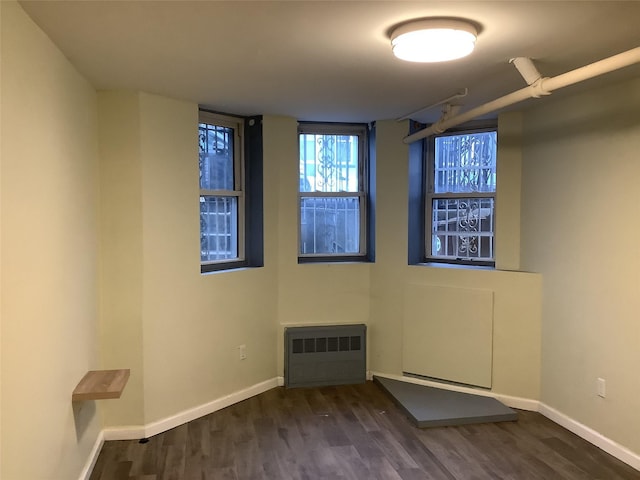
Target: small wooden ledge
(101, 384)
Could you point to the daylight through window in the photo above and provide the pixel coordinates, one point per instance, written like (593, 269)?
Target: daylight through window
(221, 189)
(332, 193)
(461, 197)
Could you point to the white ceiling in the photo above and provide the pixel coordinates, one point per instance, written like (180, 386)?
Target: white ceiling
(326, 60)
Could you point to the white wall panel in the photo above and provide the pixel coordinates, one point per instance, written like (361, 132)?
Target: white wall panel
(447, 333)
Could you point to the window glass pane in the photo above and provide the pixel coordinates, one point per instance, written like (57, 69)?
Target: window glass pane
(216, 157)
(330, 225)
(218, 228)
(328, 163)
(462, 228)
(465, 163)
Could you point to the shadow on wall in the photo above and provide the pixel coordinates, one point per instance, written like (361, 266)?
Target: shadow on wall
(83, 414)
(614, 112)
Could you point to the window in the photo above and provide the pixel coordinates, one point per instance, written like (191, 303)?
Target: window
(460, 197)
(334, 206)
(230, 234)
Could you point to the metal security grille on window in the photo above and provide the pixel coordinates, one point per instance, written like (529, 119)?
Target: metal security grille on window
(218, 209)
(331, 194)
(463, 196)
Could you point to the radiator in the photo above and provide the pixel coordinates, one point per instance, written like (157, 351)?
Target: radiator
(325, 355)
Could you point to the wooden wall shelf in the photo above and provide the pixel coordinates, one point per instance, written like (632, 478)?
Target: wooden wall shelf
(101, 384)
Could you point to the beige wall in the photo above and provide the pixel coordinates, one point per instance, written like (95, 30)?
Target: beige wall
(375, 293)
(579, 209)
(509, 174)
(49, 255)
(308, 294)
(1, 243)
(121, 250)
(517, 296)
(193, 323)
(178, 329)
(388, 274)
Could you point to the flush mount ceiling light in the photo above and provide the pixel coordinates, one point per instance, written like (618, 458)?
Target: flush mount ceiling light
(433, 40)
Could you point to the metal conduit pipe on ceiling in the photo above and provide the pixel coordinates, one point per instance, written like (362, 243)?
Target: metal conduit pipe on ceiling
(543, 86)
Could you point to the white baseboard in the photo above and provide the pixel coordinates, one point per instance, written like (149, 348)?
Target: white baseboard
(128, 432)
(143, 431)
(93, 457)
(508, 400)
(612, 448)
(213, 406)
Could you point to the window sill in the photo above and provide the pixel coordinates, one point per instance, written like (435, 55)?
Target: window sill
(454, 266)
(333, 260)
(223, 268)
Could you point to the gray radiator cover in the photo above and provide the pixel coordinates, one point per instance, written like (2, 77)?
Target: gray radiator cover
(325, 355)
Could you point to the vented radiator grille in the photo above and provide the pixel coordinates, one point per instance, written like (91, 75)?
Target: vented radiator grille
(326, 355)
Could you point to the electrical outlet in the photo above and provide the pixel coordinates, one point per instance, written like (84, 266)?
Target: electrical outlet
(602, 387)
(242, 352)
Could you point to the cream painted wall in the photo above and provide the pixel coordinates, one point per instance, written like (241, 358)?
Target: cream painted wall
(579, 216)
(308, 294)
(517, 296)
(49, 255)
(0, 246)
(193, 323)
(178, 330)
(121, 251)
(509, 174)
(1, 150)
(388, 274)
(516, 322)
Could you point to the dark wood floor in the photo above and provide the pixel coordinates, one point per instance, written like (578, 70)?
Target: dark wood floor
(352, 432)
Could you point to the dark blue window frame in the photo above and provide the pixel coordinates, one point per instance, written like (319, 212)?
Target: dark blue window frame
(253, 191)
(370, 195)
(420, 160)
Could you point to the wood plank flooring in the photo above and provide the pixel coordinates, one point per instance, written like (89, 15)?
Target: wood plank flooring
(353, 432)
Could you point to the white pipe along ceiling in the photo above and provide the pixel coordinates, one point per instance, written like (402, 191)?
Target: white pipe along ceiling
(541, 86)
(462, 93)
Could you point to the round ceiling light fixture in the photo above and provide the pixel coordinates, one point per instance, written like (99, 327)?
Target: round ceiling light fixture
(433, 40)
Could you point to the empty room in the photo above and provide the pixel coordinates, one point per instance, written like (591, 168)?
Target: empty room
(292, 239)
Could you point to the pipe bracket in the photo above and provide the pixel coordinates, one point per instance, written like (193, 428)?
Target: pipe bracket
(437, 129)
(537, 88)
